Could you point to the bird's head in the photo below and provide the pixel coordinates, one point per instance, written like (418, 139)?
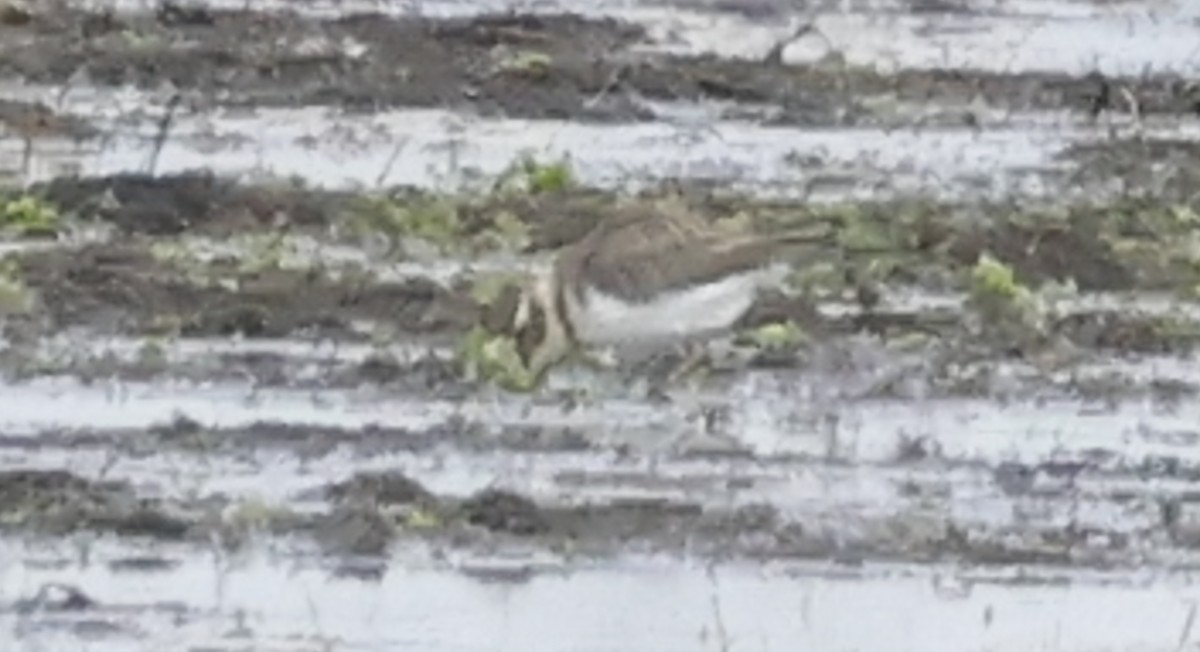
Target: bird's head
(529, 313)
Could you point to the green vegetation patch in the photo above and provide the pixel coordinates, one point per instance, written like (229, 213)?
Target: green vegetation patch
(15, 296)
(491, 357)
(28, 216)
(464, 223)
(1123, 245)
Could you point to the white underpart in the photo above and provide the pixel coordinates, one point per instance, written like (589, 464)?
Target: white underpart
(696, 311)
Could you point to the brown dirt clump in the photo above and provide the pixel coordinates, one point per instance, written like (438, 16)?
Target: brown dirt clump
(36, 120)
(504, 511)
(119, 288)
(1047, 253)
(58, 501)
(196, 203)
(381, 488)
(534, 66)
(1157, 169)
(1127, 332)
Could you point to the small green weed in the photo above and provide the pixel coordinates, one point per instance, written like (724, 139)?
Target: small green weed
(527, 175)
(527, 63)
(15, 297)
(29, 216)
(434, 220)
(778, 336)
(494, 358)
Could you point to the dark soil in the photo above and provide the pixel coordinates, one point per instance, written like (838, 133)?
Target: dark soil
(38, 120)
(359, 522)
(184, 434)
(1126, 332)
(59, 502)
(504, 511)
(200, 203)
(1150, 169)
(120, 288)
(388, 488)
(197, 203)
(539, 67)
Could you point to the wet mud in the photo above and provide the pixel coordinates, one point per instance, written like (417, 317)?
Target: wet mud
(124, 290)
(371, 512)
(564, 67)
(147, 275)
(33, 120)
(57, 502)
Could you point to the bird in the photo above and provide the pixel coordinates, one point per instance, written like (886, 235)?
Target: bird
(646, 275)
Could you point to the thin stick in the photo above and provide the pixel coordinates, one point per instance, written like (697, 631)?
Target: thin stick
(164, 129)
(722, 634)
(387, 167)
(1188, 623)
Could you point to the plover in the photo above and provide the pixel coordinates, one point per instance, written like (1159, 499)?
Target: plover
(644, 277)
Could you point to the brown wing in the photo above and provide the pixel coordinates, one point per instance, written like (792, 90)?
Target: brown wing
(639, 254)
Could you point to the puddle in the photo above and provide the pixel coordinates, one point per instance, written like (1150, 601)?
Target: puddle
(438, 149)
(52, 404)
(38, 406)
(194, 349)
(269, 603)
(811, 413)
(326, 148)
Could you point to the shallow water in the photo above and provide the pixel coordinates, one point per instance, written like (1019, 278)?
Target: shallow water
(813, 413)
(266, 603)
(439, 149)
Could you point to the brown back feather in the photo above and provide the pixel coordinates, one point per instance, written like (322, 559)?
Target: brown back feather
(641, 253)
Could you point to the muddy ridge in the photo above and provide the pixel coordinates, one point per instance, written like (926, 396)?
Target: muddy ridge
(147, 281)
(124, 289)
(369, 512)
(1100, 246)
(562, 66)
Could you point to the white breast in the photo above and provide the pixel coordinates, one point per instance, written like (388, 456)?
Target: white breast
(604, 319)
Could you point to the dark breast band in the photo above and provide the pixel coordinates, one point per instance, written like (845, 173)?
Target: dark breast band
(560, 306)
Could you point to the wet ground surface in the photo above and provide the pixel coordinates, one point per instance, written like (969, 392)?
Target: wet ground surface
(239, 251)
